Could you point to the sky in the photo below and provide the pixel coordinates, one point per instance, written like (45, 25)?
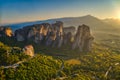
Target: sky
(15, 11)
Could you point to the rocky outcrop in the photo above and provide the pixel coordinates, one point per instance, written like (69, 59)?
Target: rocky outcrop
(29, 50)
(19, 34)
(6, 31)
(68, 38)
(83, 39)
(45, 33)
(55, 35)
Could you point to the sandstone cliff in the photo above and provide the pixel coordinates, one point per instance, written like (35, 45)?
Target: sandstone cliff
(55, 35)
(83, 39)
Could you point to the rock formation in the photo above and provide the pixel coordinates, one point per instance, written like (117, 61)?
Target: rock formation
(55, 35)
(6, 31)
(19, 34)
(45, 33)
(69, 29)
(68, 39)
(29, 50)
(83, 39)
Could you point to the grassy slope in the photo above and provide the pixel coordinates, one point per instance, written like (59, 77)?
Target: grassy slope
(83, 66)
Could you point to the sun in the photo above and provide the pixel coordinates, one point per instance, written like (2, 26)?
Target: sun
(118, 14)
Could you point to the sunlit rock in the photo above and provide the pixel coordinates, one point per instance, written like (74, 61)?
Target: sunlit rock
(83, 39)
(29, 50)
(6, 31)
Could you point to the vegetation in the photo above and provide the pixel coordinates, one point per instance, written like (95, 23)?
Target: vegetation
(9, 55)
(46, 65)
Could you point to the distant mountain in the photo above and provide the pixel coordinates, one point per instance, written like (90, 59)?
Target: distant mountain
(96, 24)
(113, 22)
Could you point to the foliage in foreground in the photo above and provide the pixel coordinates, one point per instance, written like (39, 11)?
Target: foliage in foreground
(87, 66)
(41, 67)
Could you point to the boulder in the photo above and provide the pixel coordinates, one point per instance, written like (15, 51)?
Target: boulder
(29, 50)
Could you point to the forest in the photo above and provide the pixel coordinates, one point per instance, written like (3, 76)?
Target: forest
(102, 63)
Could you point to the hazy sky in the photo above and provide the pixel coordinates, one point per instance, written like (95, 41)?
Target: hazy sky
(12, 11)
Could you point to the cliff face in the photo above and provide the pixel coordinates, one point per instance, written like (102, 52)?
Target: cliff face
(55, 35)
(83, 39)
(69, 33)
(69, 29)
(45, 33)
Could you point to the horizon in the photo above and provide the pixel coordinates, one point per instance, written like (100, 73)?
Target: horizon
(18, 11)
(56, 18)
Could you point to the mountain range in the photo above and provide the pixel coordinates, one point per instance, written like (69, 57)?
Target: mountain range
(98, 26)
(92, 21)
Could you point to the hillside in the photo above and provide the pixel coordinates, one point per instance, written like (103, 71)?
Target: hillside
(64, 65)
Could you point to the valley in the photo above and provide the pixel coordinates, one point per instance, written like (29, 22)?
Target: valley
(59, 39)
(53, 57)
(53, 63)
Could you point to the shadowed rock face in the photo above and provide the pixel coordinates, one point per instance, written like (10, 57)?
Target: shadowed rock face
(20, 35)
(1, 31)
(55, 35)
(68, 38)
(69, 33)
(69, 29)
(58, 34)
(83, 39)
